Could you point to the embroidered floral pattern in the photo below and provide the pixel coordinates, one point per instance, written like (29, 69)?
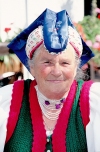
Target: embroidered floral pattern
(35, 39)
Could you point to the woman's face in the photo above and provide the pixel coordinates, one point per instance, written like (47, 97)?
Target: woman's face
(54, 74)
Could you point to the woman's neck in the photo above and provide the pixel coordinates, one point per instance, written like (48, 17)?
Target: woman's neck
(50, 108)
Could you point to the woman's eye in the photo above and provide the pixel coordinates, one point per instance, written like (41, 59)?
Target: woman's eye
(65, 63)
(47, 62)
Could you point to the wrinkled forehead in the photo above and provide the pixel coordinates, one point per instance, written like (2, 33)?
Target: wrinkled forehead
(42, 52)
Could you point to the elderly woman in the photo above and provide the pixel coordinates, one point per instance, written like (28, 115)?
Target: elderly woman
(55, 112)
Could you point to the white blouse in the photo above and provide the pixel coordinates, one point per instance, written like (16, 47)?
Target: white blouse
(92, 129)
(5, 98)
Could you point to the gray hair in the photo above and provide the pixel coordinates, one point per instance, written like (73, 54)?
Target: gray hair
(79, 74)
(31, 61)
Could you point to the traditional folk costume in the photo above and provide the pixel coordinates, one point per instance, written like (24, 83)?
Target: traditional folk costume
(21, 125)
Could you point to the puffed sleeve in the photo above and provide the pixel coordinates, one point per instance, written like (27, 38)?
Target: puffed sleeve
(93, 127)
(5, 100)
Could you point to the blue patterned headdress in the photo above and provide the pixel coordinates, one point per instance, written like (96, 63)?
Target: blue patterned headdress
(53, 29)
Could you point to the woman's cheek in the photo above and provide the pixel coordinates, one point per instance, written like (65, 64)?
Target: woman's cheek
(70, 72)
(45, 70)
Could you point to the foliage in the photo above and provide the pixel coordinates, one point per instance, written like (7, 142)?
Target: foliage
(10, 32)
(9, 62)
(91, 26)
(15, 33)
(91, 30)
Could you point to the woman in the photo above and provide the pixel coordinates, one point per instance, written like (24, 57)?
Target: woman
(55, 112)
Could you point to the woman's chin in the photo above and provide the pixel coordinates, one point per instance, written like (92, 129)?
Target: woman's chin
(55, 94)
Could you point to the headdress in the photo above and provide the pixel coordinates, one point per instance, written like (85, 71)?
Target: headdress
(55, 31)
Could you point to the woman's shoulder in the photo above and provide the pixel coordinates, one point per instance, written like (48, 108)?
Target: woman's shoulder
(5, 94)
(6, 90)
(94, 95)
(93, 135)
(6, 87)
(95, 88)
(92, 86)
(91, 91)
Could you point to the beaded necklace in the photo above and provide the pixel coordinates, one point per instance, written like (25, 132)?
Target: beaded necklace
(50, 108)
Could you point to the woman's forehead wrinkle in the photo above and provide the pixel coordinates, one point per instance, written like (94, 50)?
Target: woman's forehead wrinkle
(64, 56)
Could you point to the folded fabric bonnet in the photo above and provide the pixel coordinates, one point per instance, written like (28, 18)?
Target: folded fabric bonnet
(55, 31)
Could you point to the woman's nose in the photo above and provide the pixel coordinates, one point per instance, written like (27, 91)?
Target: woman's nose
(56, 70)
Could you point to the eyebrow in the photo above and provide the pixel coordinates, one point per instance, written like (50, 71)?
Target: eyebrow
(52, 59)
(47, 58)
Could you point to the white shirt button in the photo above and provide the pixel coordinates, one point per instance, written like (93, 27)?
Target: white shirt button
(48, 140)
(49, 133)
(48, 150)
